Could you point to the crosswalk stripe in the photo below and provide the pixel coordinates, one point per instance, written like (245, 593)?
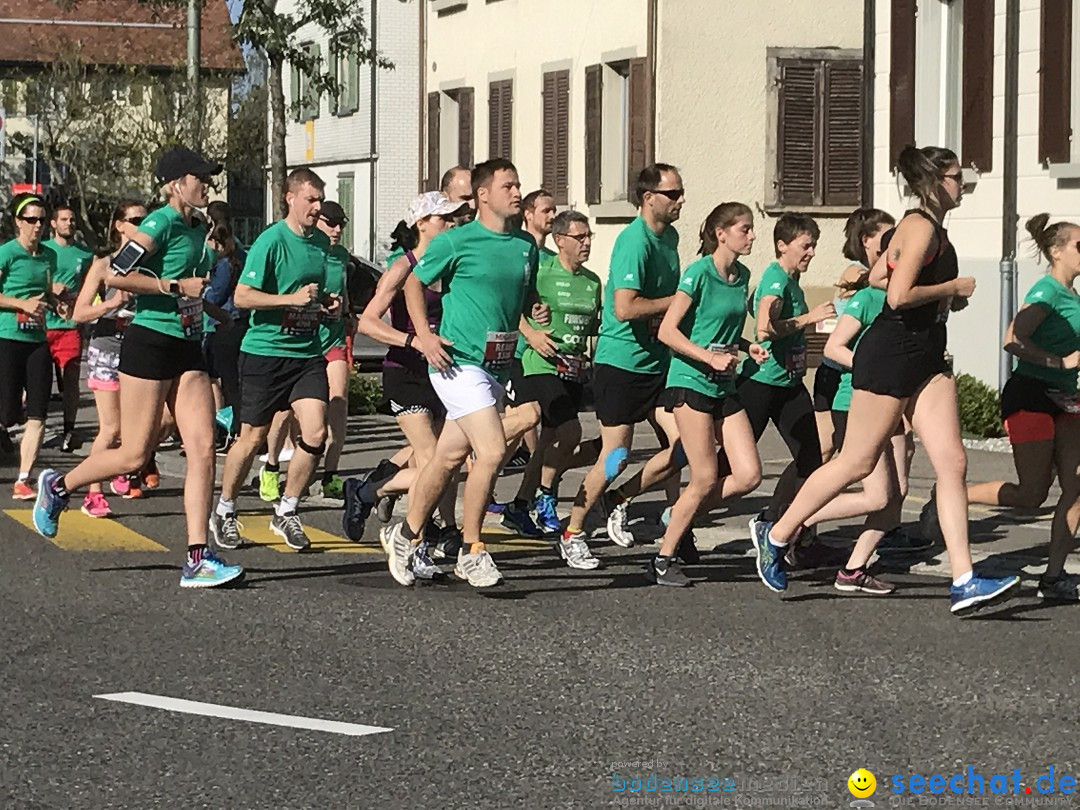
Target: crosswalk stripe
(257, 530)
(79, 532)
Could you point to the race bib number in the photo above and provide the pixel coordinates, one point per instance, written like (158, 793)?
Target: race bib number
(191, 316)
(723, 376)
(653, 325)
(499, 349)
(795, 363)
(300, 320)
(943, 310)
(571, 367)
(28, 323)
(1068, 402)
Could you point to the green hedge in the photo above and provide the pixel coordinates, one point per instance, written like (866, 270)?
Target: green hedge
(980, 410)
(365, 394)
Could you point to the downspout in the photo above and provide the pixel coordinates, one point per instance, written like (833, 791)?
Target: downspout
(421, 156)
(373, 148)
(650, 63)
(1009, 216)
(868, 65)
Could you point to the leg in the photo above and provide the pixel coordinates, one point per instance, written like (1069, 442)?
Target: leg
(279, 433)
(434, 477)
(823, 420)
(107, 404)
(531, 475)
(698, 431)
(310, 443)
(662, 466)
(72, 370)
(793, 414)
(616, 442)
(1067, 461)
(560, 456)
(239, 459)
(1034, 462)
(337, 413)
(192, 402)
(30, 445)
(38, 384)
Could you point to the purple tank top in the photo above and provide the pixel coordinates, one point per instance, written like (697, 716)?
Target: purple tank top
(399, 356)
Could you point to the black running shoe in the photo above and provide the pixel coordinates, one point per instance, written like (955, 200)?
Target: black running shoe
(688, 550)
(358, 505)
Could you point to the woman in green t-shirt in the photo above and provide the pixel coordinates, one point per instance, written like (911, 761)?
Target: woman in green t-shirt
(703, 326)
(166, 265)
(26, 293)
(1040, 404)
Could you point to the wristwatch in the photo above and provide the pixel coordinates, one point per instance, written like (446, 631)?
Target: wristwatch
(174, 287)
(409, 341)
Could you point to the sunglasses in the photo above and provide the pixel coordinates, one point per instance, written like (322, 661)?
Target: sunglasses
(579, 237)
(34, 220)
(957, 176)
(672, 194)
(334, 223)
(136, 221)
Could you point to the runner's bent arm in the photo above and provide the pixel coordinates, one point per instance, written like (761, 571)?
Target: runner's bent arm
(85, 308)
(837, 347)
(671, 335)
(631, 305)
(910, 246)
(1018, 340)
(371, 319)
(771, 326)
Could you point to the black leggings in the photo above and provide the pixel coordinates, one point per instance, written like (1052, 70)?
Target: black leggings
(792, 411)
(26, 367)
(224, 346)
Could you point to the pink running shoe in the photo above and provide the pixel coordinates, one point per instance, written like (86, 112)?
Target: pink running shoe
(96, 506)
(120, 485)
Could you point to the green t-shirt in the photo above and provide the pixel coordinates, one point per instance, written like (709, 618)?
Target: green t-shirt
(786, 365)
(280, 262)
(332, 330)
(486, 277)
(864, 307)
(714, 321)
(24, 275)
(522, 344)
(649, 264)
(1059, 333)
(71, 264)
(180, 253)
(574, 299)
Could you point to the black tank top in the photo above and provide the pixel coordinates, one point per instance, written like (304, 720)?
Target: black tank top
(941, 267)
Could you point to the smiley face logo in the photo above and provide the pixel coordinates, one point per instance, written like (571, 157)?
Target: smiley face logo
(862, 784)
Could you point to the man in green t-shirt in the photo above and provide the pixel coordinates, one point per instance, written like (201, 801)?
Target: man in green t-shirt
(282, 366)
(65, 339)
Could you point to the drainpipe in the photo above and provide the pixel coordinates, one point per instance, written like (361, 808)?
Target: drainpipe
(422, 104)
(650, 61)
(373, 148)
(1009, 217)
(868, 59)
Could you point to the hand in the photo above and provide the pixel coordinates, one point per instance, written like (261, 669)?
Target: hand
(305, 295)
(722, 361)
(193, 287)
(34, 307)
(1071, 361)
(758, 353)
(541, 313)
(822, 312)
(119, 301)
(964, 287)
(226, 320)
(431, 346)
(541, 342)
(331, 306)
(60, 290)
(958, 304)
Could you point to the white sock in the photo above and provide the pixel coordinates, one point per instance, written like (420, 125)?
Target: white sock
(776, 542)
(225, 507)
(287, 506)
(24, 476)
(963, 579)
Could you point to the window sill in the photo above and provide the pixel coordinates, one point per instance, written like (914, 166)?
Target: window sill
(613, 209)
(1065, 171)
(447, 5)
(344, 113)
(773, 209)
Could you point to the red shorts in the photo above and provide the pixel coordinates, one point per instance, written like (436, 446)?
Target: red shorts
(1031, 426)
(337, 353)
(65, 345)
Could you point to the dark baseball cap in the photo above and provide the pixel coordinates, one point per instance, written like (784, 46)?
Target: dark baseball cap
(333, 213)
(178, 162)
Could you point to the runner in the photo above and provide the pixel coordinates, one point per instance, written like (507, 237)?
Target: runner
(457, 185)
(282, 367)
(703, 327)
(27, 291)
(901, 368)
(1039, 404)
(631, 362)
(488, 271)
(65, 337)
(554, 367)
(161, 360)
(109, 312)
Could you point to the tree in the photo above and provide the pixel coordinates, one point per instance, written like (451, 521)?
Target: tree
(274, 34)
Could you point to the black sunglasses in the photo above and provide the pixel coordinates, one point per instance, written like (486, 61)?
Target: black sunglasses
(333, 223)
(957, 176)
(671, 193)
(34, 220)
(136, 221)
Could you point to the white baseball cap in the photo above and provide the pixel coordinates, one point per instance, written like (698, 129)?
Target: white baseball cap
(431, 203)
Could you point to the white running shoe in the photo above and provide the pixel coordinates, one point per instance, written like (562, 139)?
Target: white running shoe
(576, 553)
(479, 569)
(617, 527)
(398, 552)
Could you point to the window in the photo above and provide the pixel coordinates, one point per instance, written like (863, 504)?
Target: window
(815, 130)
(345, 192)
(556, 128)
(618, 128)
(305, 98)
(1057, 107)
(938, 72)
(501, 119)
(434, 103)
(345, 69)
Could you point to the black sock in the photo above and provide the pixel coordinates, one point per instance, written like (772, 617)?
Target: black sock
(407, 532)
(328, 477)
(60, 488)
(195, 553)
(850, 571)
(69, 427)
(520, 504)
(547, 490)
(273, 467)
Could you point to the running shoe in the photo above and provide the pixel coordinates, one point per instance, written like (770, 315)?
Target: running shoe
(359, 501)
(860, 581)
(547, 516)
(519, 461)
(617, 527)
(334, 488)
(665, 517)
(49, 504)
(120, 485)
(449, 543)
(384, 510)
(770, 558)
(22, 491)
(575, 550)
(479, 569)
(225, 530)
(496, 508)
(666, 571)
(269, 483)
(1066, 588)
(151, 475)
(209, 572)
(69, 443)
(94, 505)
(398, 552)
(518, 520)
(981, 592)
(291, 529)
(813, 554)
(898, 541)
(421, 564)
(688, 551)
(134, 487)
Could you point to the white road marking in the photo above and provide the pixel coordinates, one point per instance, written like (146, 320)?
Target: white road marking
(232, 713)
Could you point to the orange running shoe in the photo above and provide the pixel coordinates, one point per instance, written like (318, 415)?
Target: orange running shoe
(150, 475)
(22, 491)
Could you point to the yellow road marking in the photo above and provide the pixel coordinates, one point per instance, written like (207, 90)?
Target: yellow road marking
(79, 532)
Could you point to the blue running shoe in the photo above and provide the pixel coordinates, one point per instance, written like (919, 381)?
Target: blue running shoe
(421, 564)
(979, 592)
(496, 508)
(770, 558)
(518, 520)
(49, 504)
(209, 572)
(547, 517)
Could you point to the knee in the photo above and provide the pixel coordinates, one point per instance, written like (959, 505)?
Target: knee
(1031, 495)
(702, 483)
(135, 458)
(857, 468)
(953, 464)
(877, 499)
(745, 481)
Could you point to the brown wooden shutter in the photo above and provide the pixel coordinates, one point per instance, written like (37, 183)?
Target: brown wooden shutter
(843, 148)
(639, 117)
(433, 135)
(798, 170)
(594, 121)
(466, 115)
(556, 126)
(977, 121)
(901, 78)
(500, 119)
(1055, 81)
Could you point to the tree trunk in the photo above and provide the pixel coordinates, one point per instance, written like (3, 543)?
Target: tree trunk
(278, 162)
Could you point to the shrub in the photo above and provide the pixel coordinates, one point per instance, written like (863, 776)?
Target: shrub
(365, 394)
(980, 411)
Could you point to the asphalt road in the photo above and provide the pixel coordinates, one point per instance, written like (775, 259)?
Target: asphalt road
(552, 690)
